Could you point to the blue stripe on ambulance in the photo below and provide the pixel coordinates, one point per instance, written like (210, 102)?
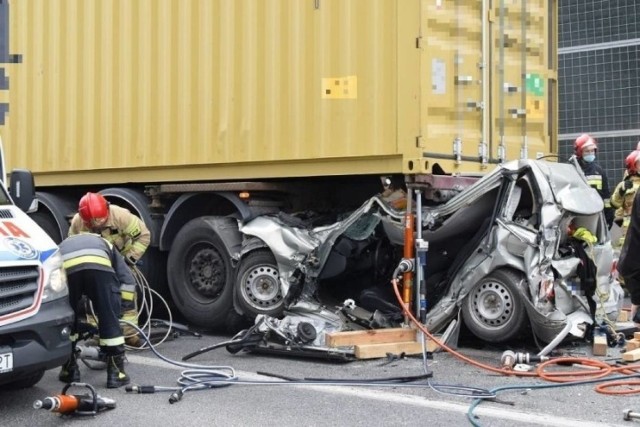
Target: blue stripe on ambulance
(44, 255)
(11, 257)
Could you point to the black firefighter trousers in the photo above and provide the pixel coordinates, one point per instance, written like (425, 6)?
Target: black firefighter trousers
(103, 289)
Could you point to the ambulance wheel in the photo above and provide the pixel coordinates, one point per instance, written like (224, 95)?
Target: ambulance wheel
(26, 381)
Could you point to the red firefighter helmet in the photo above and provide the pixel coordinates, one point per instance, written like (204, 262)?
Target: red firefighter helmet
(584, 141)
(93, 207)
(631, 161)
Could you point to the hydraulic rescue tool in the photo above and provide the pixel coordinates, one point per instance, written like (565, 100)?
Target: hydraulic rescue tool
(75, 404)
(629, 415)
(509, 359)
(90, 353)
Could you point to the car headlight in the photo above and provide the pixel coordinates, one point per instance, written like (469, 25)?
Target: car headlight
(56, 285)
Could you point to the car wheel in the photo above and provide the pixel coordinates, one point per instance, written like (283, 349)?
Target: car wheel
(493, 310)
(258, 286)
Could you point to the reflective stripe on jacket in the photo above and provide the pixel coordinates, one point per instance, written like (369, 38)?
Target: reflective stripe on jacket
(89, 251)
(86, 251)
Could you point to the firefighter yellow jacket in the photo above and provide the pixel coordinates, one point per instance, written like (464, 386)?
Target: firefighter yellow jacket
(123, 229)
(624, 202)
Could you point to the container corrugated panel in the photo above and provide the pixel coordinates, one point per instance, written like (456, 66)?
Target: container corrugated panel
(490, 98)
(175, 90)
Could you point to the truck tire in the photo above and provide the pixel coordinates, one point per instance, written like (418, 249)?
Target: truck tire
(201, 275)
(258, 286)
(26, 381)
(494, 311)
(49, 225)
(152, 268)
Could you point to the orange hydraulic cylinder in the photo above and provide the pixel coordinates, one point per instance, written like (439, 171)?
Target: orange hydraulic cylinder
(409, 253)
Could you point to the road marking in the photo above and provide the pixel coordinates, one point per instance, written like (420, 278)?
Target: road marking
(419, 401)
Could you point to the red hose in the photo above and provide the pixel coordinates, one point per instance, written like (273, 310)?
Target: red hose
(597, 369)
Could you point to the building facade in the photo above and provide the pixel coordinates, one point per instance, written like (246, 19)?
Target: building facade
(599, 78)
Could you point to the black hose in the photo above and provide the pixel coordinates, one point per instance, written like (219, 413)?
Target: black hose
(374, 380)
(242, 339)
(209, 348)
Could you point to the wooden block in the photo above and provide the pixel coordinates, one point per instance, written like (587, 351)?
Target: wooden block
(631, 356)
(372, 351)
(632, 344)
(624, 315)
(636, 336)
(370, 336)
(432, 346)
(600, 345)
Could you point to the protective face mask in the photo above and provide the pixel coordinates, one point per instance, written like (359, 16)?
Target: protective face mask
(589, 158)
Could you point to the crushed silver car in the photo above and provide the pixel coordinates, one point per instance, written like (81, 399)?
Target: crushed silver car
(524, 248)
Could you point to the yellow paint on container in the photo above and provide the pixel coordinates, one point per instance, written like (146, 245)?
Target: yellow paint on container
(181, 90)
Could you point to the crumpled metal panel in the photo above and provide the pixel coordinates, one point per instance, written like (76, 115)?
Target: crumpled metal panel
(307, 249)
(527, 242)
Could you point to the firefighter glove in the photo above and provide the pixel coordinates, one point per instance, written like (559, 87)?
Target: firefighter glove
(627, 185)
(585, 235)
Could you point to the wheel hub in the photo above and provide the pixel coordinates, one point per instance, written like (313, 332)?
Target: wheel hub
(261, 288)
(206, 272)
(492, 304)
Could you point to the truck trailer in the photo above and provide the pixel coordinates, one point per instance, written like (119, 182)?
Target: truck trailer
(199, 116)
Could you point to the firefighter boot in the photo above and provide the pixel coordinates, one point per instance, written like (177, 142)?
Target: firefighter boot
(131, 336)
(70, 371)
(116, 376)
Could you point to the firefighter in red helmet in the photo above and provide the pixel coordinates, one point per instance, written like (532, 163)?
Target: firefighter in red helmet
(629, 262)
(585, 148)
(94, 210)
(127, 233)
(624, 193)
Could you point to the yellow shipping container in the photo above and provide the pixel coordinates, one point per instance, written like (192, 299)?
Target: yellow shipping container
(103, 92)
(201, 116)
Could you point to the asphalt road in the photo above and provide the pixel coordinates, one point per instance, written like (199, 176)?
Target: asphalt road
(254, 399)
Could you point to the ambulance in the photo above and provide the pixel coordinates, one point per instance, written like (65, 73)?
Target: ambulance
(35, 315)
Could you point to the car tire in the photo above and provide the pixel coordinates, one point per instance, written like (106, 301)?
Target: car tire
(258, 288)
(493, 310)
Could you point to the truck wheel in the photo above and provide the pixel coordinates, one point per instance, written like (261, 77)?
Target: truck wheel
(200, 274)
(493, 311)
(258, 286)
(152, 268)
(25, 382)
(49, 225)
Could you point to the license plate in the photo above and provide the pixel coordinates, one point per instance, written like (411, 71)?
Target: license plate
(6, 362)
